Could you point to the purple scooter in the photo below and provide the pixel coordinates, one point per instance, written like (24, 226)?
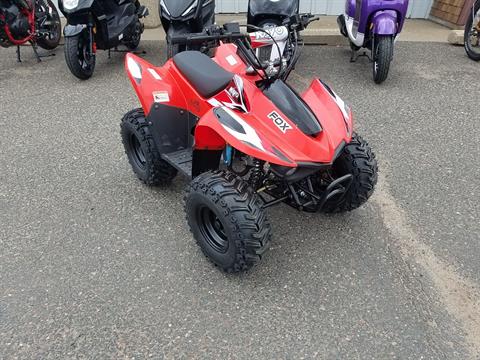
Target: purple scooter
(374, 25)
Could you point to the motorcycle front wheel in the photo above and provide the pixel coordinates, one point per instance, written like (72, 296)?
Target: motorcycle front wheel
(52, 27)
(472, 33)
(80, 60)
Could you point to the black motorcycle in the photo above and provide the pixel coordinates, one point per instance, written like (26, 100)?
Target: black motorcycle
(181, 17)
(95, 24)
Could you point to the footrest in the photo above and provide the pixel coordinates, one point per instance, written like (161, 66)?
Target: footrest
(181, 160)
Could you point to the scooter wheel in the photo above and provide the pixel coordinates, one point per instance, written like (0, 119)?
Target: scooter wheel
(227, 220)
(80, 60)
(142, 152)
(382, 58)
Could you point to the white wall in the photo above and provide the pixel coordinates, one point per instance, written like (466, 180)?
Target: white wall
(417, 8)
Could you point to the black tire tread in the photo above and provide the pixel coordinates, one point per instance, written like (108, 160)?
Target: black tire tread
(71, 58)
(46, 43)
(244, 209)
(362, 164)
(158, 171)
(384, 45)
(472, 55)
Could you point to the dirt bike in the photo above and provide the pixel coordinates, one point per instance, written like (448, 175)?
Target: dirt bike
(247, 140)
(35, 22)
(472, 33)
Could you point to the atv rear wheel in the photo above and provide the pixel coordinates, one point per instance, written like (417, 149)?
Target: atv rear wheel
(142, 152)
(357, 159)
(227, 220)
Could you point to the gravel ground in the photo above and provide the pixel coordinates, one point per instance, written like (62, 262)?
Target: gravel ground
(95, 265)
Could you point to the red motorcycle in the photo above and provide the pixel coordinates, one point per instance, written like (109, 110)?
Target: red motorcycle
(247, 139)
(23, 21)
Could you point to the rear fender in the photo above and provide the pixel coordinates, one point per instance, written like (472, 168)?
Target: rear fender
(153, 84)
(221, 126)
(385, 23)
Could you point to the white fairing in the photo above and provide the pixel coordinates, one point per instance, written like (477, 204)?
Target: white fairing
(359, 38)
(279, 33)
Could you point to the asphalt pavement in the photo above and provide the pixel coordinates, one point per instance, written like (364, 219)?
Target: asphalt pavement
(95, 265)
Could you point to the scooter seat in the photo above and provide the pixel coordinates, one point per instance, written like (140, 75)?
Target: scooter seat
(204, 74)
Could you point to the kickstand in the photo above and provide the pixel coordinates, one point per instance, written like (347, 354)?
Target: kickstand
(34, 47)
(19, 58)
(37, 55)
(115, 50)
(356, 55)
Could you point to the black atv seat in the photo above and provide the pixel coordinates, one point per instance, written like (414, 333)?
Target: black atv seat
(205, 75)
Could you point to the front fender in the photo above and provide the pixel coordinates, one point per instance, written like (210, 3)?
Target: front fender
(73, 30)
(385, 23)
(221, 126)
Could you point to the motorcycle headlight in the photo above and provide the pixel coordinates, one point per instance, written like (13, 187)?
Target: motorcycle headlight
(70, 4)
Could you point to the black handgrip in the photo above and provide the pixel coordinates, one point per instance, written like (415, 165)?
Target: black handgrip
(200, 38)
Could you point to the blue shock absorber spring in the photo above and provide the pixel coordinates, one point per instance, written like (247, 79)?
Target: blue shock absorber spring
(227, 155)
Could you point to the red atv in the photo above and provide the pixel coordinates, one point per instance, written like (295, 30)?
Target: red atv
(247, 140)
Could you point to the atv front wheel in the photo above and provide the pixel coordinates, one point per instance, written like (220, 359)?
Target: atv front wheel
(142, 152)
(227, 220)
(358, 160)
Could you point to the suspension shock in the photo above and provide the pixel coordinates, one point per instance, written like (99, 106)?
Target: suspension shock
(256, 175)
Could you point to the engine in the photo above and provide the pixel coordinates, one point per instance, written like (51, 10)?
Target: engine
(16, 21)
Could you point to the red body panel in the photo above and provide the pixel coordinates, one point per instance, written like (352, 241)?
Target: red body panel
(283, 148)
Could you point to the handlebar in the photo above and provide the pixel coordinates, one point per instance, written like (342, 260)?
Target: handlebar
(200, 38)
(231, 32)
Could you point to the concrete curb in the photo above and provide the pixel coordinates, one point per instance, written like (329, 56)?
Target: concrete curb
(324, 37)
(456, 37)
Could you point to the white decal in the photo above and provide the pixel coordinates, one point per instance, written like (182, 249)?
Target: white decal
(214, 102)
(120, 37)
(154, 74)
(160, 96)
(231, 60)
(250, 134)
(280, 122)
